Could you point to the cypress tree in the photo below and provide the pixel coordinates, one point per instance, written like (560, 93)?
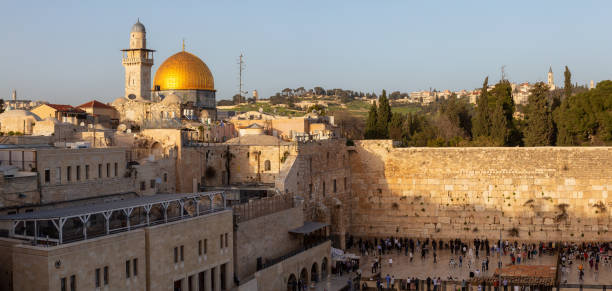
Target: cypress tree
(481, 123)
(540, 129)
(568, 82)
(396, 130)
(384, 116)
(370, 130)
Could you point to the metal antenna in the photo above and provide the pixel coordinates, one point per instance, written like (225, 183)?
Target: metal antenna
(503, 72)
(240, 83)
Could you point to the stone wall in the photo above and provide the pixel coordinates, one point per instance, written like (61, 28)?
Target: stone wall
(267, 237)
(544, 193)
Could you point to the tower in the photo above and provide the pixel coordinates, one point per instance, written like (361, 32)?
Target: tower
(551, 79)
(138, 61)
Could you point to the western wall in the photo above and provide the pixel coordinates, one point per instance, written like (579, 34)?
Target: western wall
(543, 193)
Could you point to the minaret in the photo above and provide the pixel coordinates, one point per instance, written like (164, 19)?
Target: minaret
(138, 61)
(551, 79)
(592, 85)
(14, 95)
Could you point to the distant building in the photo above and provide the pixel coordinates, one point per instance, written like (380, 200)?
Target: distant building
(551, 80)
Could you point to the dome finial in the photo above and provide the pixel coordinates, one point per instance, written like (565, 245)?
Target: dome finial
(183, 44)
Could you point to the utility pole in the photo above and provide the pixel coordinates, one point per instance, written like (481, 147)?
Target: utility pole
(240, 83)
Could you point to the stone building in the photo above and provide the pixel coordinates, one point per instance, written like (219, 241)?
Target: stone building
(18, 120)
(61, 112)
(183, 88)
(145, 243)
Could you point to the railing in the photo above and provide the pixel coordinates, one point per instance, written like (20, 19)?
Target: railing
(262, 207)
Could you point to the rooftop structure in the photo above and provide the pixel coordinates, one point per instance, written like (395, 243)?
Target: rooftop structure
(48, 226)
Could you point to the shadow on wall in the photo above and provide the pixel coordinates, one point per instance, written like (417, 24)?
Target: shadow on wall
(524, 193)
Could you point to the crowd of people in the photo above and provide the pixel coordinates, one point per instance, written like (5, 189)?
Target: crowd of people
(476, 255)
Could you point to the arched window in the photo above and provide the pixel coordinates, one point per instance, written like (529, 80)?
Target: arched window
(267, 165)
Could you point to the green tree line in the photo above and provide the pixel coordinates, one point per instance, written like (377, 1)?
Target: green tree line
(569, 117)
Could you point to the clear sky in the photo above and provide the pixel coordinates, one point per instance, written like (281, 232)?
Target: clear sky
(68, 51)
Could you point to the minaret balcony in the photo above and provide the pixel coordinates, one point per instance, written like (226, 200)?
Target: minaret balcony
(136, 61)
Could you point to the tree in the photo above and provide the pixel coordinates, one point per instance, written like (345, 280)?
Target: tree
(384, 116)
(370, 130)
(502, 97)
(237, 99)
(1, 105)
(540, 129)
(481, 122)
(568, 82)
(350, 126)
(396, 127)
(319, 91)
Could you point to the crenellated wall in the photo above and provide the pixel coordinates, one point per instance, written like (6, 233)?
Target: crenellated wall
(556, 193)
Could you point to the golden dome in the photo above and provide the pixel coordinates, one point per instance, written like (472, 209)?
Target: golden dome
(183, 71)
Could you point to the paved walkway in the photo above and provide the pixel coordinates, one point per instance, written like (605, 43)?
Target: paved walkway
(334, 283)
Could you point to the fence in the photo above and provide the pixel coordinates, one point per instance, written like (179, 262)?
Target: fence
(261, 207)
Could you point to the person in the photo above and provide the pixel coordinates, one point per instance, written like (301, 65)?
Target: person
(390, 262)
(435, 257)
(378, 284)
(505, 283)
(460, 261)
(388, 279)
(411, 257)
(393, 281)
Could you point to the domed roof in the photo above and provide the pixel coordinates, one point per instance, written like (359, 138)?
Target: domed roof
(138, 27)
(18, 113)
(119, 101)
(183, 71)
(171, 99)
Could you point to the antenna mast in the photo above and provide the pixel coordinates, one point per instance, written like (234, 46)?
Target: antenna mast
(240, 83)
(503, 72)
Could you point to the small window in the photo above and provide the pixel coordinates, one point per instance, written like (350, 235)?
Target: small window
(345, 184)
(63, 284)
(182, 253)
(267, 165)
(334, 185)
(116, 169)
(99, 171)
(69, 173)
(86, 172)
(47, 176)
(152, 182)
(199, 247)
(221, 241)
(323, 188)
(226, 239)
(135, 265)
(127, 269)
(78, 173)
(175, 255)
(248, 155)
(73, 283)
(98, 278)
(105, 275)
(143, 185)
(165, 177)
(205, 245)
(108, 170)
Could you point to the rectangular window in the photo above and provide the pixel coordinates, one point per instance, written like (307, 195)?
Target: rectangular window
(221, 241)
(116, 169)
(165, 177)
(72, 283)
(182, 253)
(212, 278)
(68, 173)
(201, 280)
(199, 247)
(105, 275)
(98, 277)
(99, 171)
(345, 184)
(108, 170)
(226, 239)
(152, 183)
(63, 284)
(127, 269)
(78, 173)
(135, 264)
(175, 255)
(143, 185)
(86, 172)
(223, 274)
(47, 176)
(334, 185)
(323, 188)
(205, 245)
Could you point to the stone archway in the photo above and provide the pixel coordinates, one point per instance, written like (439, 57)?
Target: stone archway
(292, 283)
(314, 272)
(303, 281)
(324, 267)
(157, 150)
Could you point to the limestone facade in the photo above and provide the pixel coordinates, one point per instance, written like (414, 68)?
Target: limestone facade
(542, 193)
